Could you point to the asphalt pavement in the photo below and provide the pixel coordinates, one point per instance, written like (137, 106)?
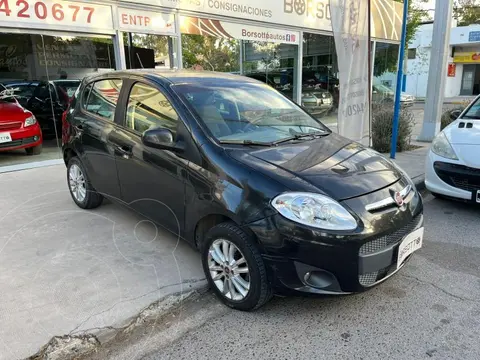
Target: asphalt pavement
(429, 310)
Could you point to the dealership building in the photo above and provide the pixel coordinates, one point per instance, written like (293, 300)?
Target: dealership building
(46, 40)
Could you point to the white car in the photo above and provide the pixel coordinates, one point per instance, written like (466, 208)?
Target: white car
(453, 161)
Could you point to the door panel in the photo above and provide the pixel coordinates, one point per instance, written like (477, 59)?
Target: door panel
(152, 180)
(96, 126)
(468, 80)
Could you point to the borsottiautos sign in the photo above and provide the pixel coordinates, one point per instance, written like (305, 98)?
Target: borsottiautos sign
(199, 26)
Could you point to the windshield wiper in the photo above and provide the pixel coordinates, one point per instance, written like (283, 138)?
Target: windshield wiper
(298, 136)
(246, 142)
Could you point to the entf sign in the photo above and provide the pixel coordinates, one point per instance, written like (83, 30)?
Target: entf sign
(145, 21)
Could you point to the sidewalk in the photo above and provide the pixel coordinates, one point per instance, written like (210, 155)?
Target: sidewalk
(413, 162)
(65, 271)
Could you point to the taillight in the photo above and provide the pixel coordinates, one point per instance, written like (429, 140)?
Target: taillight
(65, 127)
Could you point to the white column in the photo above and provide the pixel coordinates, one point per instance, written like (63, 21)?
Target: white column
(119, 49)
(299, 69)
(179, 42)
(240, 42)
(438, 70)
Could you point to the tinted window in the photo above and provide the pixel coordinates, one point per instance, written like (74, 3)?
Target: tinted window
(148, 108)
(103, 97)
(239, 111)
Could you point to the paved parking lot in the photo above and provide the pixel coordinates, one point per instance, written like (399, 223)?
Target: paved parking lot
(67, 271)
(430, 310)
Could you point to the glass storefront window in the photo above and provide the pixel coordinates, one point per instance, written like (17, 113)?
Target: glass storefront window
(272, 63)
(384, 73)
(320, 79)
(40, 74)
(201, 52)
(147, 51)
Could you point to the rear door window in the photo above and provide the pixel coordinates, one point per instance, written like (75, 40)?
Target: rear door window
(101, 98)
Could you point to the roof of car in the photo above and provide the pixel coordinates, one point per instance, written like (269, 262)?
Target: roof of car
(182, 76)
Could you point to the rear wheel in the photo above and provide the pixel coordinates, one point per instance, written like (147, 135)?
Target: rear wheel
(80, 188)
(35, 150)
(234, 268)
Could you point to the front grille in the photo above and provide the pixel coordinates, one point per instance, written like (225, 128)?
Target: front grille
(390, 239)
(20, 142)
(10, 126)
(459, 176)
(370, 279)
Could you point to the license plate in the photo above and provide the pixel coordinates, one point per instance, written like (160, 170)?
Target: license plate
(5, 137)
(411, 243)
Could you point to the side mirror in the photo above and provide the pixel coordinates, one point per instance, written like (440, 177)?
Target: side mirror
(455, 114)
(159, 138)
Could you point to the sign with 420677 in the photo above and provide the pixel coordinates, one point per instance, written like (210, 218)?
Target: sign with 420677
(56, 14)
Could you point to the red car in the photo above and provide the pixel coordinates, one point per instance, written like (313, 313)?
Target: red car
(19, 128)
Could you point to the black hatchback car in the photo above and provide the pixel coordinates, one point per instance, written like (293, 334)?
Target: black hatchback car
(274, 201)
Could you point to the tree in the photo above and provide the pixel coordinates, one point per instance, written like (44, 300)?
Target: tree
(212, 53)
(387, 59)
(467, 12)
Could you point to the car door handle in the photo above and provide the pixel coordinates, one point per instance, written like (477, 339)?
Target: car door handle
(124, 151)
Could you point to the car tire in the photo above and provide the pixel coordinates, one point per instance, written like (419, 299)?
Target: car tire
(236, 273)
(35, 150)
(81, 190)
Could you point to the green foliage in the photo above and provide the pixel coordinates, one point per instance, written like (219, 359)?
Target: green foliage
(382, 121)
(467, 12)
(215, 54)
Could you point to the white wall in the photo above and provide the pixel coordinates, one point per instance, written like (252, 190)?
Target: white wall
(454, 84)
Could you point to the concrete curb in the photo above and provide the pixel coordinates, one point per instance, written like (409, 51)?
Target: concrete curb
(79, 344)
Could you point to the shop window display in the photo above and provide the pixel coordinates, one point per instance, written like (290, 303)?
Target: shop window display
(40, 74)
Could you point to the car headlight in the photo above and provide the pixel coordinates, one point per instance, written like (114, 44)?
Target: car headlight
(442, 147)
(314, 210)
(30, 121)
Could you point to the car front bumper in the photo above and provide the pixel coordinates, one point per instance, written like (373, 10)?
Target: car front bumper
(22, 138)
(451, 178)
(307, 260)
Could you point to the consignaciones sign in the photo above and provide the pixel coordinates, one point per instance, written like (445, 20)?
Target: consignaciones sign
(312, 14)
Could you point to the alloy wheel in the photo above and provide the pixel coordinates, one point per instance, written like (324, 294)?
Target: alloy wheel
(229, 269)
(77, 183)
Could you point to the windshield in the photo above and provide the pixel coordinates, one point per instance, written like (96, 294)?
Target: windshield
(6, 95)
(474, 111)
(248, 113)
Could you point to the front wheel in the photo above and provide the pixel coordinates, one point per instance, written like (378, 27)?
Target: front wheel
(234, 268)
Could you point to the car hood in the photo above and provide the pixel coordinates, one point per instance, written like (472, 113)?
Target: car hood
(11, 111)
(464, 135)
(336, 166)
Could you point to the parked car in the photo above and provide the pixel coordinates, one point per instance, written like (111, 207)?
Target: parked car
(316, 100)
(18, 127)
(382, 94)
(43, 97)
(274, 201)
(453, 161)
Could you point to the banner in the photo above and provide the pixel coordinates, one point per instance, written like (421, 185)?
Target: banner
(467, 57)
(217, 28)
(350, 30)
